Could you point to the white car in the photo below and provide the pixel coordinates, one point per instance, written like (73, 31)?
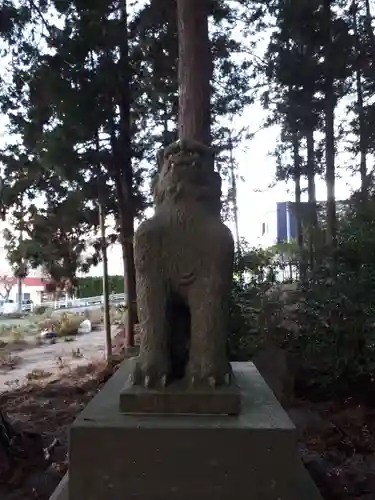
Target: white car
(8, 306)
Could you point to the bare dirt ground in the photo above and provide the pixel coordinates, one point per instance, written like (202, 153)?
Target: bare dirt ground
(21, 363)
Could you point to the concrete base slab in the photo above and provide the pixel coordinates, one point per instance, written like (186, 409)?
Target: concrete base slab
(62, 490)
(178, 399)
(250, 456)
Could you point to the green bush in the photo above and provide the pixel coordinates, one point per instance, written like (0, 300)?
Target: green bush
(249, 305)
(337, 325)
(328, 323)
(92, 286)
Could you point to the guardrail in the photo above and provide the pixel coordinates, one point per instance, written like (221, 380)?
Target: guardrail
(68, 303)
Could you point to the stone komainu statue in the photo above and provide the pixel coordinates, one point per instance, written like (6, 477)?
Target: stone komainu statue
(184, 263)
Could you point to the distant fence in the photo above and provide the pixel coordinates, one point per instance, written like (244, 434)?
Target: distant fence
(67, 303)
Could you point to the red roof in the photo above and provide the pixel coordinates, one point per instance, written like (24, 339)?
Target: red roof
(29, 281)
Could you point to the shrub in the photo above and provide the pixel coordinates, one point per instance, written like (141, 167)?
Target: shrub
(326, 323)
(39, 310)
(66, 324)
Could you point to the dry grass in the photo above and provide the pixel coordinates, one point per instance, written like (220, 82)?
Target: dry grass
(38, 374)
(9, 361)
(63, 325)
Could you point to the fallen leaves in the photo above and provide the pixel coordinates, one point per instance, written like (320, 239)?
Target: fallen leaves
(47, 410)
(340, 452)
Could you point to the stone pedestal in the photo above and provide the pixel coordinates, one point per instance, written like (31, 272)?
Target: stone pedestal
(252, 456)
(178, 399)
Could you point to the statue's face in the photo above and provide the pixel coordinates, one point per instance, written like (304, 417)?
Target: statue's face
(187, 167)
(187, 174)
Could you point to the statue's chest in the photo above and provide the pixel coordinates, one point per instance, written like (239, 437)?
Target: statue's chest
(184, 233)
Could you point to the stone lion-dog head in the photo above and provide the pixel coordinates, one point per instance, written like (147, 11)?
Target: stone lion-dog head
(186, 175)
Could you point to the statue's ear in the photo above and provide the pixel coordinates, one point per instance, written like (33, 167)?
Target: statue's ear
(154, 181)
(160, 159)
(217, 182)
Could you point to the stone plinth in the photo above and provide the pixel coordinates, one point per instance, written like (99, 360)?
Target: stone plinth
(62, 490)
(178, 399)
(251, 456)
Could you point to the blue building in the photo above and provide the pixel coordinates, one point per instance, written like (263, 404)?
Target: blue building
(280, 225)
(286, 221)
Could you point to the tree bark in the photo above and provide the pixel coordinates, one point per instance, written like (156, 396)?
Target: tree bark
(360, 110)
(126, 222)
(330, 169)
(313, 217)
(329, 117)
(297, 193)
(107, 318)
(124, 176)
(369, 29)
(194, 70)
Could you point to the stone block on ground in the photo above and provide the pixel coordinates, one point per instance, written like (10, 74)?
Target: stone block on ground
(254, 455)
(273, 364)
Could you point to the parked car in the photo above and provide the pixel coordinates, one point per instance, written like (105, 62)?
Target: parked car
(8, 306)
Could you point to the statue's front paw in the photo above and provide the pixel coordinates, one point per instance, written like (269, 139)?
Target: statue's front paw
(151, 375)
(212, 378)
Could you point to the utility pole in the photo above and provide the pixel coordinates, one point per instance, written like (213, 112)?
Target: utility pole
(20, 274)
(107, 320)
(19, 287)
(1, 195)
(234, 192)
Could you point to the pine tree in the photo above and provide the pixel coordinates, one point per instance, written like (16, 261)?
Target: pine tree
(363, 64)
(307, 79)
(293, 76)
(70, 122)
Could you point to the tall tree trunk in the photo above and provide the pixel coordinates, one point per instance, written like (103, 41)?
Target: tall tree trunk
(369, 29)
(126, 222)
(107, 318)
(123, 165)
(362, 137)
(103, 245)
(194, 70)
(330, 167)
(312, 215)
(297, 194)
(329, 117)
(360, 110)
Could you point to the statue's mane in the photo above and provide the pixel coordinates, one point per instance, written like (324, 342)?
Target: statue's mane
(186, 173)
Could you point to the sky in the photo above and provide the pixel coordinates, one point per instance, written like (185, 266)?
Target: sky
(256, 168)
